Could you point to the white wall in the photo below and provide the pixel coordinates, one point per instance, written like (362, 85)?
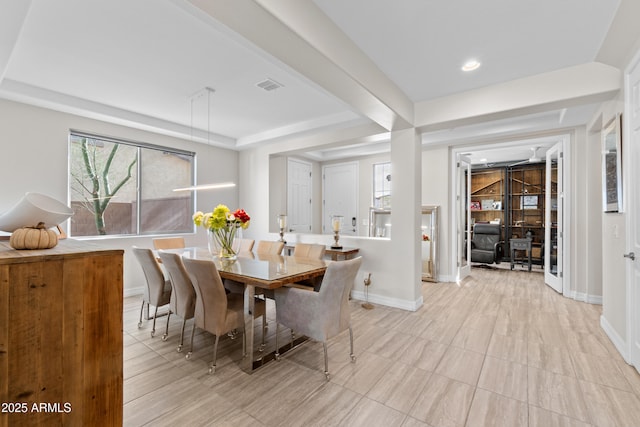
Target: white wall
(388, 287)
(435, 191)
(34, 147)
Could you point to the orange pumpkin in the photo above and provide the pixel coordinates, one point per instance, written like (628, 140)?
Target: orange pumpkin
(37, 237)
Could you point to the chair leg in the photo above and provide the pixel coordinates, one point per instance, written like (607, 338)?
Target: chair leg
(193, 330)
(326, 360)
(244, 343)
(277, 346)
(153, 329)
(179, 349)
(353, 356)
(166, 329)
(141, 310)
(264, 331)
(212, 367)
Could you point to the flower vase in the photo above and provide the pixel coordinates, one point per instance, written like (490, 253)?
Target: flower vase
(221, 242)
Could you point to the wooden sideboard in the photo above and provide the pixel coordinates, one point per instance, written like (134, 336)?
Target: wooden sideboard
(61, 335)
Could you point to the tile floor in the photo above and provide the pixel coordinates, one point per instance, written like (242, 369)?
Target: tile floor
(501, 349)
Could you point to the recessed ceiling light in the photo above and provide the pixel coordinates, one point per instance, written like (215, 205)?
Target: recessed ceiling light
(471, 65)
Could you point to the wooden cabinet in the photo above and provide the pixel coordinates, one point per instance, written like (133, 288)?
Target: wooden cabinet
(487, 195)
(61, 335)
(526, 206)
(514, 196)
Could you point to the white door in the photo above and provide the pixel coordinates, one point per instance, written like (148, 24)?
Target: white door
(463, 222)
(553, 224)
(632, 202)
(298, 196)
(340, 197)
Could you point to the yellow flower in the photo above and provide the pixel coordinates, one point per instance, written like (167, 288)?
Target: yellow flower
(197, 218)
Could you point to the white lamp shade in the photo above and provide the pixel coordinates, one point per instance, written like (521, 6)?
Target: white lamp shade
(32, 209)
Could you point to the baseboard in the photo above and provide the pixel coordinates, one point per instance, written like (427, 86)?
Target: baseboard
(583, 297)
(594, 299)
(389, 302)
(616, 339)
(132, 292)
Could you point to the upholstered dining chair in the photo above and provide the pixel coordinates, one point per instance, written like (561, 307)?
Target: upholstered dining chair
(309, 250)
(243, 245)
(264, 247)
(183, 296)
(267, 247)
(158, 289)
(168, 243)
(319, 315)
(216, 311)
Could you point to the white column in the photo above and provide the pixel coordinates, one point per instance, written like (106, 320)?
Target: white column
(406, 190)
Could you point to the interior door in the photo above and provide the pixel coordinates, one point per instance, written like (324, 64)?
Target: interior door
(298, 196)
(340, 197)
(463, 223)
(632, 202)
(553, 224)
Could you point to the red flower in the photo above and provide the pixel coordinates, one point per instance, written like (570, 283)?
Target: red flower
(241, 215)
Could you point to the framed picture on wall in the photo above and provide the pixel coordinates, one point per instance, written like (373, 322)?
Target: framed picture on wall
(529, 202)
(612, 166)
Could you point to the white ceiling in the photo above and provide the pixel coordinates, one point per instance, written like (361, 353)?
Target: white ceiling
(145, 63)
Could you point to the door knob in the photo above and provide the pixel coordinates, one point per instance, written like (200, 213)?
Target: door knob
(630, 255)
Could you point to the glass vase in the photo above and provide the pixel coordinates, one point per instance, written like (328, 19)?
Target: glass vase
(222, 243)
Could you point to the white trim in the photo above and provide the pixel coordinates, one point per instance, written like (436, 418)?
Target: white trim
(584, 297)
(567, 210)
(446, 279)
(616, 339)
(389, 302)
(630, 207)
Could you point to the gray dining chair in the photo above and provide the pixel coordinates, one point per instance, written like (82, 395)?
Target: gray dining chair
(319, 315)
(157, 291)
(183, 296)
(310, 251)
(216, 311)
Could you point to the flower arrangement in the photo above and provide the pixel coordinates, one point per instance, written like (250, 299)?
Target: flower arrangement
(222, 225)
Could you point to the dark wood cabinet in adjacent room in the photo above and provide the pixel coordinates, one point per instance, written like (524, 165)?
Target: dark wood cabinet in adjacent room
(513, 196)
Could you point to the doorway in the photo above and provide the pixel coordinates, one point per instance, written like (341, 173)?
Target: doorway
(340, 197)
(516, 154)
(299, 196)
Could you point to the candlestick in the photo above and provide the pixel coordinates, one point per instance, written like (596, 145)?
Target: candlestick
(336, 222)
(282, 225)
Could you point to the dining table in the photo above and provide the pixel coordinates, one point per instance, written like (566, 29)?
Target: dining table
(259, 271)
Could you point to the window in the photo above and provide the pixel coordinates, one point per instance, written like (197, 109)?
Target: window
(125, 188)
(382, 185)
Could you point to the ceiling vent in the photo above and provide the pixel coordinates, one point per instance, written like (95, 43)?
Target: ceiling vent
(269, 85)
